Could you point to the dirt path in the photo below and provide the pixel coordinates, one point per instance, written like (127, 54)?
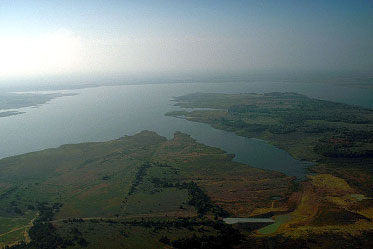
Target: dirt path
(13, 230)
(25, 233)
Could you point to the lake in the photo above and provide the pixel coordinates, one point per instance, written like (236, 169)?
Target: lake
(106, 113)
(279, 220)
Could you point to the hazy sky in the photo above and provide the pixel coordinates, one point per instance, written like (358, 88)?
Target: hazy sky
(50, 37)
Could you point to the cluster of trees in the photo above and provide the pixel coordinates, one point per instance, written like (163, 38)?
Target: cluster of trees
(227, 238)
(242, 125)
(282, 129)
(346, 144)
(293, 118)
(180, 222)
(201, 201)
(73, 220)
(43, 234)
(234, 123)
(142, 172)
(358, 135)
(161, 165)
(10, 207)
(159, 183)
(197, 197)
(341, 151)
(238, 109)
(47, 211)
(7, 193)
(256, 127)
(138, 177)
(322, 240)
(318, 129)
(13, 208)
(298, 116)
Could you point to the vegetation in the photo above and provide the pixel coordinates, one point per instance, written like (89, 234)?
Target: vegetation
(146, 191)
(309, 129)
(337, 137)
(138, 177)
(226, 238)
(128, 193)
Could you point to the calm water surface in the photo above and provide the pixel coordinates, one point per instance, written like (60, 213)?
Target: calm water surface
(105, 113)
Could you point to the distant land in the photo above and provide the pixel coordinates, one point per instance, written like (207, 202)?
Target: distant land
(21, 100)
(353, 80)
(9, 113)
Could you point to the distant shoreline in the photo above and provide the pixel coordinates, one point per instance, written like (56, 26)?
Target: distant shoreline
(11, 101)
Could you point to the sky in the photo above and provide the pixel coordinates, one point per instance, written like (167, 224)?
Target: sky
(40, 38)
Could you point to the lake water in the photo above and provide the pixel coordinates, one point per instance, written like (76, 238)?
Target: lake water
(279, 220)
(105, 113)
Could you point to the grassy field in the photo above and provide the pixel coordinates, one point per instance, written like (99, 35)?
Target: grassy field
(91, 189)
(145, 191)
(14, 229)
(337, 137)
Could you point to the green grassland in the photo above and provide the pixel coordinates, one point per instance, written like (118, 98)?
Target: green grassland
(107, 194)
(145, 191)
(337, 137)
